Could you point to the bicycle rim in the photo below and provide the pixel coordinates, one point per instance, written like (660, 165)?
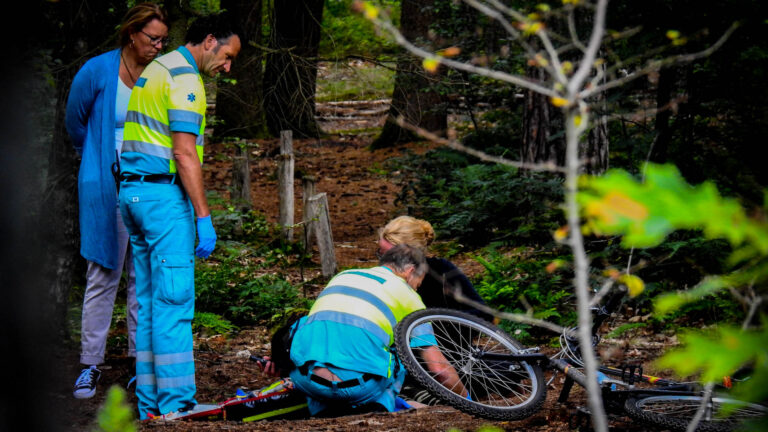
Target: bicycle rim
(677, 412)
(500, 389)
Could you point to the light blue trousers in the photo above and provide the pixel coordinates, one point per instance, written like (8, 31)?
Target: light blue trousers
(380, 390)
(160, 221)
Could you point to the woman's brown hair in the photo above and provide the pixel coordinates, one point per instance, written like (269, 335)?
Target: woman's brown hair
(139, 16)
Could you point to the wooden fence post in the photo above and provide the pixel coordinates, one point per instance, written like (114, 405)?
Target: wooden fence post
(285, 183)
(241, 176)
(309, 186)
(322, 221)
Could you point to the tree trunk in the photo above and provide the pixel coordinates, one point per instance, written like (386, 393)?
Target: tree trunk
(542, 123)
(291, 67)
(239, 109)
(414, 97)
(664, 88)
(594, 148)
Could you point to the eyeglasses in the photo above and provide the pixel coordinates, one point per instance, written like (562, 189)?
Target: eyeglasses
(155, 40)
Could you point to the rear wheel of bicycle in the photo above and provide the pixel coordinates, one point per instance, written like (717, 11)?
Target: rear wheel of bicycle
(677, 412)
(499, 388)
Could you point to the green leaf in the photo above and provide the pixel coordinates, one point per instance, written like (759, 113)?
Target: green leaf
(733, 346)
(116, 415)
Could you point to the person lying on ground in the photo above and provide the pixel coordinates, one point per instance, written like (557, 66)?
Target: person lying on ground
(342, 353)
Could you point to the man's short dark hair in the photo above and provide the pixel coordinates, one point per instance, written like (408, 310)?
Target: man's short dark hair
(220, 25)
(403, 255)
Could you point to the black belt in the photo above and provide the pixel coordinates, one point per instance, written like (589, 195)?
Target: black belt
(341, 384)
(338, 384)
(153, 178)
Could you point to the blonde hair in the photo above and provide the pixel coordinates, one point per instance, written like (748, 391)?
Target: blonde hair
(408, 230)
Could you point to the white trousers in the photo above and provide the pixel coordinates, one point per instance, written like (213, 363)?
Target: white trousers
(99, 301)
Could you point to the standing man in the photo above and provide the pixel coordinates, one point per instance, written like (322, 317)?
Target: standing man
(162, 199)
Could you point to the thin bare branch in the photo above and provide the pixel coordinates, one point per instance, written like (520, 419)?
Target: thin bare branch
(519, 318)
(497, 75)
(658, 64)
(595, 41)
(572, 30)
(702, 408)
(496, 15)
(456, 145)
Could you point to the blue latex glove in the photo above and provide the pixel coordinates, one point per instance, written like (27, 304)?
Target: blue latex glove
(206, 236)
(468, 397)
(401, 404)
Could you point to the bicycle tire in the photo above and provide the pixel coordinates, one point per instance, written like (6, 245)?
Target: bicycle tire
(504, 390)
(676, 412)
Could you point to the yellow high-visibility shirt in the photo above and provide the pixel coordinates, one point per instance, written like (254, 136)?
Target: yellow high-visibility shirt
(169, 96)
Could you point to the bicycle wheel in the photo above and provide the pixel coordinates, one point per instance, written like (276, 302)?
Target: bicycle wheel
(676, 412)
(500, 388)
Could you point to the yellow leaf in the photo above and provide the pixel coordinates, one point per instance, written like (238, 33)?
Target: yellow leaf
(554, 265)
(567, 67)
(561, 233)
(577, 120)
(370, 11)
(634, 284)
(613, 205)
(450, 51)
(533, 16)
(431, 64)
(543, 7)
(541, 60)
(679, 42)
(533, 28)
(558, 101)
(673, 34)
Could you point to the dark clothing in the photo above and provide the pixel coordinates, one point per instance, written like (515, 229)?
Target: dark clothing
(436, 289)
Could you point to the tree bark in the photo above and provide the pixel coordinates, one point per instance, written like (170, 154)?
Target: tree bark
(541, 122)
(664, 88)
(414, 97)
(239, 109)
(291, 67)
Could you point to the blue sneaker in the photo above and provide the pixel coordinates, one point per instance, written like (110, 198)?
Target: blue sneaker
(85, 386)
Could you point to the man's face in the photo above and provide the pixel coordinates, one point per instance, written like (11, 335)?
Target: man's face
(219, 57)
(413, 280)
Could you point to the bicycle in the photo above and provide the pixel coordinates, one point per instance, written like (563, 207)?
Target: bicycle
(506, 381)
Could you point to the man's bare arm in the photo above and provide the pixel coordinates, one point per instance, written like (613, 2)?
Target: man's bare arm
(190, 170)
(442, 370)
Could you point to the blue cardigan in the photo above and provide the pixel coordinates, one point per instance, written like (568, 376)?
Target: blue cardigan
(90, 122)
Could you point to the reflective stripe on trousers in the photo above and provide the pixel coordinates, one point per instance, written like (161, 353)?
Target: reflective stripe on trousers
(160, 221)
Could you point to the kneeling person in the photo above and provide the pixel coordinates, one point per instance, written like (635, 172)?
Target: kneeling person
(343, 349)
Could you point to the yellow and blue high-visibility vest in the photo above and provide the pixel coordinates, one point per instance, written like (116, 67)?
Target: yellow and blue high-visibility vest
(169, 96)
(351, 324)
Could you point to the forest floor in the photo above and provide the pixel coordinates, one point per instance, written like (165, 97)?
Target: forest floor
(361, 196)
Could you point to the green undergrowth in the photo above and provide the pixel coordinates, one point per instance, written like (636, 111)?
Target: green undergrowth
(519, 281)
(354, 80)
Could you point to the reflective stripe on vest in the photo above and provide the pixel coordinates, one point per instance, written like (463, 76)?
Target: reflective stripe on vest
(171, 98)
(361, 299)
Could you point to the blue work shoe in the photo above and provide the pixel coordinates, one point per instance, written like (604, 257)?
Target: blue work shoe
(85, 386)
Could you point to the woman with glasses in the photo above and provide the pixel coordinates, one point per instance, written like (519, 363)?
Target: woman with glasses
(96, 112)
